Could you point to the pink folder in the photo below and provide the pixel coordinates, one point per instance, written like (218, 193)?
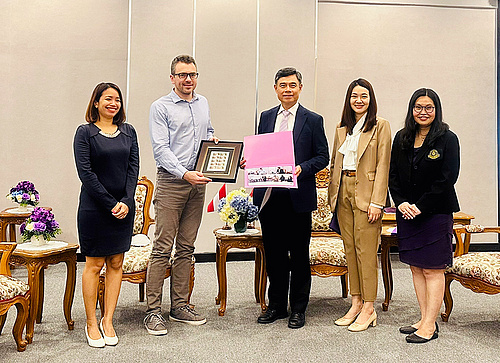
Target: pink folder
(270, 160)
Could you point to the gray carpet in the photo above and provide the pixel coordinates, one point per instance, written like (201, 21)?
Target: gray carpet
(472, 334)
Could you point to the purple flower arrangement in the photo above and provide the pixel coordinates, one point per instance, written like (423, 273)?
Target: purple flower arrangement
(40, 222)
(24, 193)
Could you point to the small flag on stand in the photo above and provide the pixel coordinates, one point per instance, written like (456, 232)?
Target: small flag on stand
(212, 207)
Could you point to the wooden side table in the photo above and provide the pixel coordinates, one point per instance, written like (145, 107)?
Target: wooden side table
(227, 239)
(9, 219)
(36, 259)
(387, 240)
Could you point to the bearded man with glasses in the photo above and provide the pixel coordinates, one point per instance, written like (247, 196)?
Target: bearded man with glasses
(178, 122)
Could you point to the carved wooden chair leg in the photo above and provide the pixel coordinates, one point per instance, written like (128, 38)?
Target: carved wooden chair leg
(448, 299)
(17, 331)
(343, 281)
(141, 292)
(2, 321)
(100, 294)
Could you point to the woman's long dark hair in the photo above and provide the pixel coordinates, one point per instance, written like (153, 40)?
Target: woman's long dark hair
(438, 127)
(348, 114)
(92, 113)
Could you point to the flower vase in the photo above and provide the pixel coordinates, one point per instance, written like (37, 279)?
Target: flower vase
(23, 208)
(38, 240)
(241, 225)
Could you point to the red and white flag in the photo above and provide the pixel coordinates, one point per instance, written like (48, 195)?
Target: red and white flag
(212, 207)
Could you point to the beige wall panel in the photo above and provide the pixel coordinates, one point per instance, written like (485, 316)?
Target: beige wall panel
(226, 56)
(444, 3)
(160, 30)
(52, 54)
(286, 39)
(400, 49)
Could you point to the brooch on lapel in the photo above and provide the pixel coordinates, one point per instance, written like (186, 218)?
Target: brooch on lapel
(433, 154)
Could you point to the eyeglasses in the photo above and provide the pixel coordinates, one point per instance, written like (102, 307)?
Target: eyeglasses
(428, 108)
(183, 76)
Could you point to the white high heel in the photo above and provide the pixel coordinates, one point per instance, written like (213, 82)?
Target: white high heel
(108, 340)
(94, 343)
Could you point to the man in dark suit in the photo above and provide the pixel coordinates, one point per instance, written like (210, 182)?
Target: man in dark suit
(285, 214)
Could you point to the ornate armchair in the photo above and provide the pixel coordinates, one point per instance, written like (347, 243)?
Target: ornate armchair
(136, 260)
(13, 292)
(477, 271)
(326, 251)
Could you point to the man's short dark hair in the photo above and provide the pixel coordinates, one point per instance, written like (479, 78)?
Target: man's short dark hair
(287, 71)
(183, 58)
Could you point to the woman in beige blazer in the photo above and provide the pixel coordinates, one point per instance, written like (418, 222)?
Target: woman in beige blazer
(359, 173)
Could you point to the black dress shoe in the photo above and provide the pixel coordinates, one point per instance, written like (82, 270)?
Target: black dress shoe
(270, 316)
(414, 338)
(409, 329)
(297, 320)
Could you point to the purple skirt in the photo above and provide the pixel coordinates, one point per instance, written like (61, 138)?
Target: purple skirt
(426, 241)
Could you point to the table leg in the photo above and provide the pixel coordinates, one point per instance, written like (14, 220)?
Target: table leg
(262, 278)
(222, 280)
(217, 268)
(257, 275)
(33, 281)
(70, 289)
(3, 232)
(12, 232)
(385, 261)
(41, 289)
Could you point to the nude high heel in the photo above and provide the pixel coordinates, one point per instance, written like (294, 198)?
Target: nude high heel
(372, 320)
(343, 321)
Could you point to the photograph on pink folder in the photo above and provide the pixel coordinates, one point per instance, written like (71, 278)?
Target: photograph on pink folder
(270, 160)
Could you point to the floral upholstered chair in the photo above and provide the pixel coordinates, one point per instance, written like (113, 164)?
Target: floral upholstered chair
(477, 271)
(326, 251)
(136, 260)
(13, 292)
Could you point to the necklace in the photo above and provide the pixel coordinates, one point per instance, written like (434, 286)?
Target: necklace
(422, 136)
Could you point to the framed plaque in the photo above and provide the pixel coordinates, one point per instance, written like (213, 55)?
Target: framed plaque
(219, 162)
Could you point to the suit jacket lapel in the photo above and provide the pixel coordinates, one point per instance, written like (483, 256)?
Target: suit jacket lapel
(424, 149)
(300, 120)
(339, 158)
(364, 140)
(268, 124)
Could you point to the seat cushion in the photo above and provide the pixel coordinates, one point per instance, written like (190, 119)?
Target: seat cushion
(136, 259)
(10, 287)
(322, 216)
(329, 250)
(484, 266)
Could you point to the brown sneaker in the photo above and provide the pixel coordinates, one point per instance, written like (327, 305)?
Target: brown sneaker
(155, 324)
(187, 314)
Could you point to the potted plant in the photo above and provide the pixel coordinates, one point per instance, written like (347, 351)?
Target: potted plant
(40, 227)
(237, 209)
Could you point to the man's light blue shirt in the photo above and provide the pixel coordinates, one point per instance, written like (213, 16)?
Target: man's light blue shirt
(176, 128)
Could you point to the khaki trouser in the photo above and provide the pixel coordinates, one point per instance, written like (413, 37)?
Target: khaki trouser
(178, 211)
(361, 240)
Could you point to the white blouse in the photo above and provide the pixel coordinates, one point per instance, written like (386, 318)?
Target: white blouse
(350, 146)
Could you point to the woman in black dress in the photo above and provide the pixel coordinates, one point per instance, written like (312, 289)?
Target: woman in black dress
(425, 162)
(107, 160)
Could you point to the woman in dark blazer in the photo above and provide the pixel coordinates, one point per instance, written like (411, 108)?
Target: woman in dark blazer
(425, 162)
(107, 161)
